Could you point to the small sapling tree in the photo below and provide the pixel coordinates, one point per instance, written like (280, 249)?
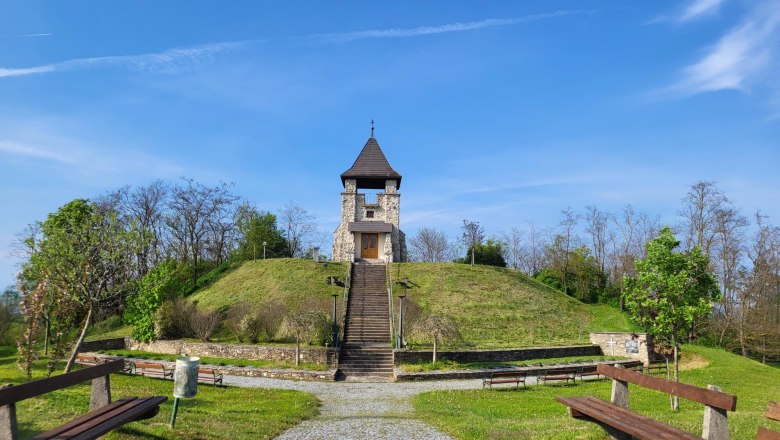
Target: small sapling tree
(302, 326)
(440, 327)
(670, 292)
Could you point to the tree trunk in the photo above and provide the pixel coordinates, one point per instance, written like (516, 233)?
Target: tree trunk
(675, 399)
(297, 351)
(435, 339)
(472, 257)
(47, 337)
(72, 359)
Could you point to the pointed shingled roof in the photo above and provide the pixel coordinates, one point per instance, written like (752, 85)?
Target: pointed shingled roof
(371, 168)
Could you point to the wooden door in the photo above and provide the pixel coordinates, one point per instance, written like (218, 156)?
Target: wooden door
(369, 245)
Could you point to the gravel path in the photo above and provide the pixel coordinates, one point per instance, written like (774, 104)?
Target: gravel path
(359, 410)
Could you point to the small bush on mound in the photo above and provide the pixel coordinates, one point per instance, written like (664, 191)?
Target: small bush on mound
(204, 324)
(253, 325)
(173, 318)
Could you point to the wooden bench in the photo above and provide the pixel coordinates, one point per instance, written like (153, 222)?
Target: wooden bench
(513, 376)
(104, 416)
(557, 375)
(773, 413)
(657, 365)
(591, 370)
(209, 375)
(622, 423)
(86, 359)
(152, 369)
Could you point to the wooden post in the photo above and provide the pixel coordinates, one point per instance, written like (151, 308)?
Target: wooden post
(619, 398)
(101, 392)
(716, 424)
(8, 427)
(620, 391)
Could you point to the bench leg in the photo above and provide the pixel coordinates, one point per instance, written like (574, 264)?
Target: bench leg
(716, 423)
(101, 393)
(8, 428)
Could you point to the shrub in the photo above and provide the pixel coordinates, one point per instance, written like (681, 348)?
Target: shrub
(204, 324)
(270, 315)
(251, 327)
(172, 320)
(235, 316)
(162, 283)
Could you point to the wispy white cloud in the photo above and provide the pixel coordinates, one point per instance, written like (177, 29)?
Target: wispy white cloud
(743, 57)
(699, 8)
(33, 35)
(169, 61)
(17, 149)
(444, 28)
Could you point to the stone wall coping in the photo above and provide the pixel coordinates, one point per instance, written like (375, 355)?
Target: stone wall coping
(496, 350)
(400, 375)
(248, 371)
(618, 333)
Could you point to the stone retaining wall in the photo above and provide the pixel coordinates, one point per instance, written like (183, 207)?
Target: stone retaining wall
(230, 370)
(634, 345)
(317, 355)
(402, 376)
(103, 344)
(520, 354)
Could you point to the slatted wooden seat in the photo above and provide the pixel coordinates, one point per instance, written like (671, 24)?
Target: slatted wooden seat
(85, 359)
(557, 375)
(622, 423)
(772, 413)
(103, 417)
(153, 369)
(497, 377)
(209, 375)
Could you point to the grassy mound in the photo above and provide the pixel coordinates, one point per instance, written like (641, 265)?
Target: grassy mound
(498, 308)
(534, 414)
(292, 282)
(492, 307)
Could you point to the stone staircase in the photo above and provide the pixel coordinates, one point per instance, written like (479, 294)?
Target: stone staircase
(366, 350)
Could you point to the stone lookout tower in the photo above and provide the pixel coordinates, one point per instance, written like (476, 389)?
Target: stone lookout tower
(369, 229)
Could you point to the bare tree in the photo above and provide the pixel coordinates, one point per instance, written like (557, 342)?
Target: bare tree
(567, 224)
(514, 249)
(146, 205)
(534, 259)
(700, 214)
(298, 226)
(439, 327)
(196, 219)
(597, 226)
(430, 245)
(473, 235)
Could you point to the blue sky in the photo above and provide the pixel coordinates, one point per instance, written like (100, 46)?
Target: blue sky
(500, 112)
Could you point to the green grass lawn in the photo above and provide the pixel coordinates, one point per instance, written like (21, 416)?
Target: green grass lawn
(216, 412)
(533, 413)
(218, 361)
(502, 308)
(447, 365)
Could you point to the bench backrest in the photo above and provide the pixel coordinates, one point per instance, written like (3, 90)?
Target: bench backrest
(514, 373)
(773, 411)
(24, 391)
(560, 371)
(711, 398)
(149, 365)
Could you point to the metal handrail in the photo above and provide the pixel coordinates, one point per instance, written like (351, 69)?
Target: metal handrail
(347, 284)
(390, 300)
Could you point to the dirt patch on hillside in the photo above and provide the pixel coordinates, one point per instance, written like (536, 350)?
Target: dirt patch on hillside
(691, 361)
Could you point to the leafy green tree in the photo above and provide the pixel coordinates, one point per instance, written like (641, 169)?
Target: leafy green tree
(670, 291)
(490, 253)
(256, 228)
(165, 281)
(86, 255)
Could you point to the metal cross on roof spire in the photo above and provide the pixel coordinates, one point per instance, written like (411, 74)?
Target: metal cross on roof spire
(372, 127)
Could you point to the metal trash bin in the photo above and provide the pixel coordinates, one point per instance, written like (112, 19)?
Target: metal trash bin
(185, 382)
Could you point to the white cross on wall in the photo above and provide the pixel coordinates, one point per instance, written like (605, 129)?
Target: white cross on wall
(612, 343)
